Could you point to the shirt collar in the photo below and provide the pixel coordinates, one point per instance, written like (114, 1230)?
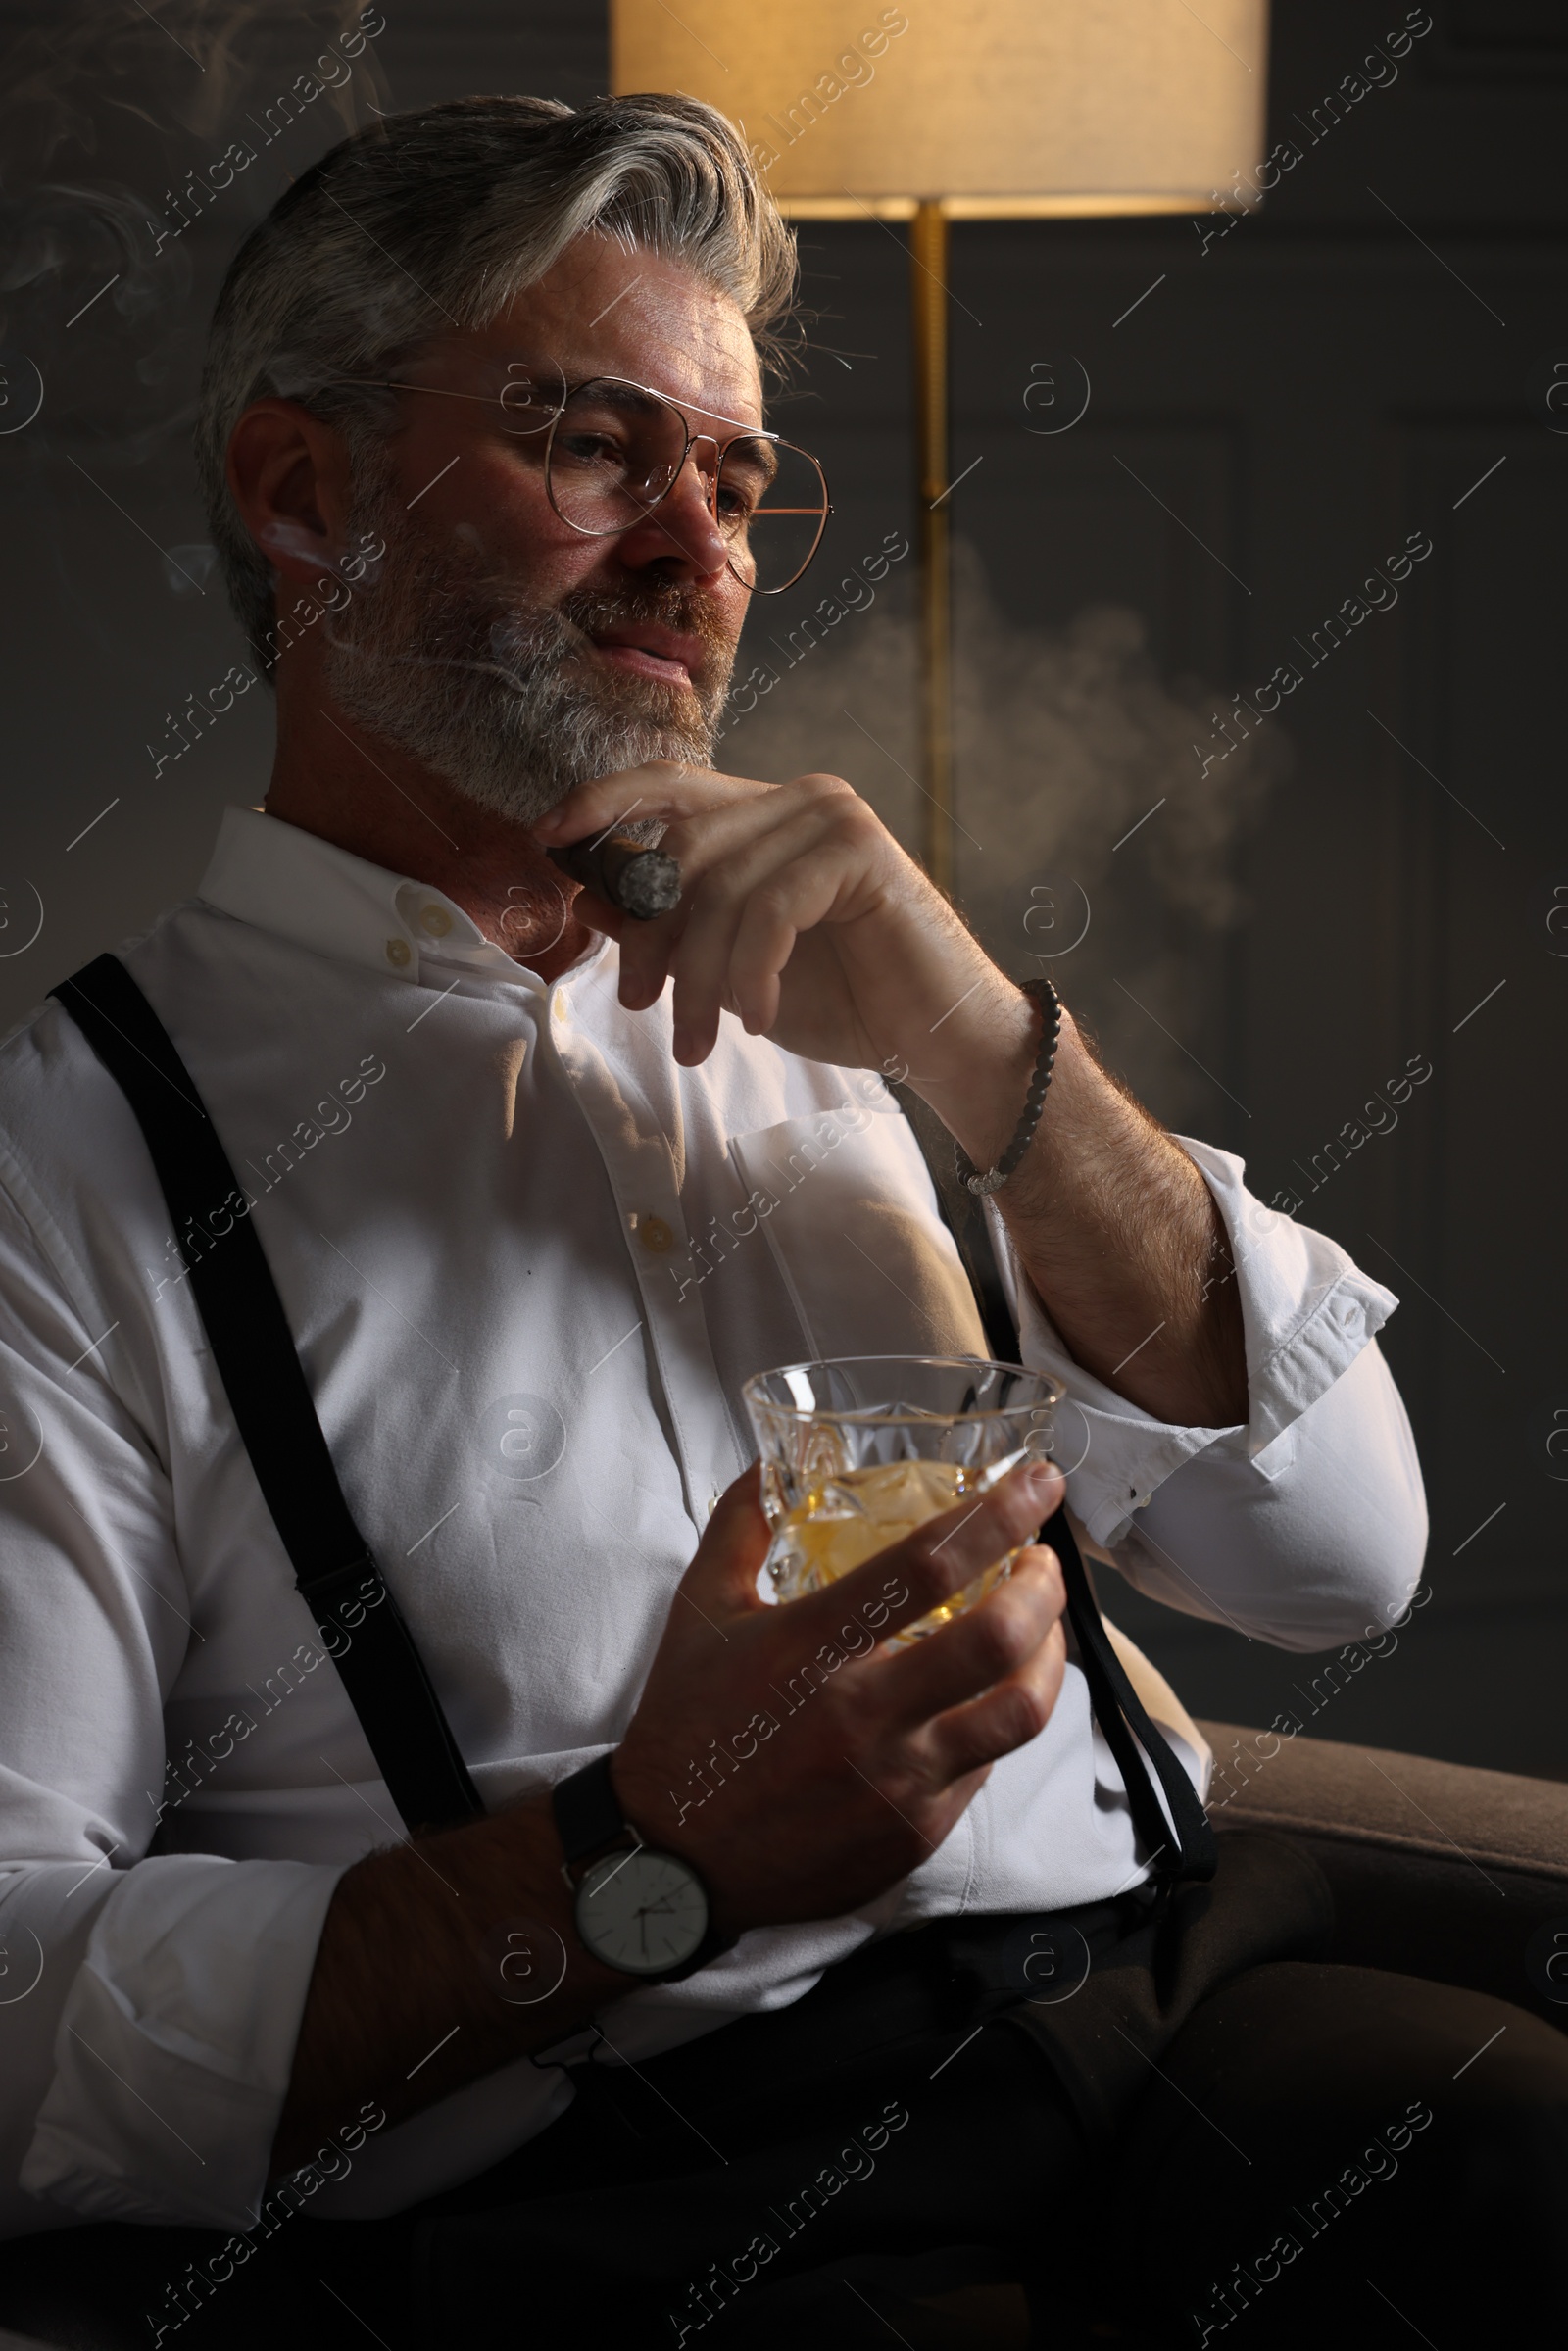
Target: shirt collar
(307, 890)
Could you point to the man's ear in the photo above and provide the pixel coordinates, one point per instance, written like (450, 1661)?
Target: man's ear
(288, 475)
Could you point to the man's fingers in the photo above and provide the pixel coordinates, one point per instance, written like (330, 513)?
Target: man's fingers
(896, 1588)
(767, 845)
(808, 864)
(722, 1576)
(649, 950)
(1005, 1717)
(663, 789)
(950, 1552)
(746, 915)
(987, 1645)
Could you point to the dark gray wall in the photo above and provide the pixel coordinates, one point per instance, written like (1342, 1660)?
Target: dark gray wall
(1368, 358)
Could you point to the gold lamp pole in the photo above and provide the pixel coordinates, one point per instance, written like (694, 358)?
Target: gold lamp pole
(1009, 109)
(928, 302)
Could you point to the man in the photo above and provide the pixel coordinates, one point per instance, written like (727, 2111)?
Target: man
(536, 1204)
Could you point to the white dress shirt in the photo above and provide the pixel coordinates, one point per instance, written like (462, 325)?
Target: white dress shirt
(528, 1261)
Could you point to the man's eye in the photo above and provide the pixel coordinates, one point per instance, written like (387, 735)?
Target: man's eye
(743, 488)
(590, 449)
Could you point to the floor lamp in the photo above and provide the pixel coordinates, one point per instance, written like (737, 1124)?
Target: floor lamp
(981, 110)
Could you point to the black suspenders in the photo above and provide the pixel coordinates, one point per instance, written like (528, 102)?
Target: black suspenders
(360, 1624)
(362, 1627)
(1118, 1709)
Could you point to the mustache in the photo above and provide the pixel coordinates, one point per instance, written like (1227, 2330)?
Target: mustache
(570, 627)
(662, 602)
(522, 643)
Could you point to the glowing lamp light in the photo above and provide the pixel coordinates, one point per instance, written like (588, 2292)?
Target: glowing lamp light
(977, 109)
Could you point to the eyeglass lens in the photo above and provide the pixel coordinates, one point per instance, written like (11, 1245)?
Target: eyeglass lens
(617, 450)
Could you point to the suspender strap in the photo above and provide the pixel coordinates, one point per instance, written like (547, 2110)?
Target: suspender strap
(1121, 1714)
(1118, 1709)
(363, 1629)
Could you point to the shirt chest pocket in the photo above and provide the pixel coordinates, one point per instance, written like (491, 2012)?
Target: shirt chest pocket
(853, 1228)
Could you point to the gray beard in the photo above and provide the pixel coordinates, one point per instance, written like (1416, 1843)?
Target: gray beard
(438, 658)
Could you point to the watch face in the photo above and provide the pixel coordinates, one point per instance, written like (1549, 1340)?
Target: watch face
(641, 1911)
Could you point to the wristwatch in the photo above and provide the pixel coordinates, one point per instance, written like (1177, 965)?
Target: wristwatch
(644, 1912)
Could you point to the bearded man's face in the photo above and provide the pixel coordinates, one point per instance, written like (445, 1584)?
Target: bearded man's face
(443, 656)
(491, 642)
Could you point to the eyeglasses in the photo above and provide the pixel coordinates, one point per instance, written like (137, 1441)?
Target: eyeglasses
(614, 450)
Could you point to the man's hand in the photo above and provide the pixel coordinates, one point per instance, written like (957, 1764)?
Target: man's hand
(870, 1764)
(800, 914)
(784, 1753)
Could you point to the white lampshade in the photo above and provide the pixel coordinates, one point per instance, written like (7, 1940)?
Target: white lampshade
(997, 107)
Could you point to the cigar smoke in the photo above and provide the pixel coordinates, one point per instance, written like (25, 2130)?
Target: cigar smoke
(1063, 741)
(122, 135)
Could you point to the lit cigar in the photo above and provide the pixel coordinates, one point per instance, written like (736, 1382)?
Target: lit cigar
(627, 873)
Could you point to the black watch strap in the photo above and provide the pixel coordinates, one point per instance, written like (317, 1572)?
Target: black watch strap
(588, 1811)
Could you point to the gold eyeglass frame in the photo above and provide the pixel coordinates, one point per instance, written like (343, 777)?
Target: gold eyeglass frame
(742, 432)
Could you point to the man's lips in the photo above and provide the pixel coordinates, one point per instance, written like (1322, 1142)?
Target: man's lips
(647, 650)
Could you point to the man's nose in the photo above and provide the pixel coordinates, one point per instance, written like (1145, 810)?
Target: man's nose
(681, 528)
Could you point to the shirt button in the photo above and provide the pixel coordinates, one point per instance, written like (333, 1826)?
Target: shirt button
(436, 920)
(399, 954)
(655, 1234)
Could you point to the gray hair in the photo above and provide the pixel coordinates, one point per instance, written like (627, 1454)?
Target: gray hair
(437, 218)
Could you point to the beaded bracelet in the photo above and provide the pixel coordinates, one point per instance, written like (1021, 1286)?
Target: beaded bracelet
(1050, 1002)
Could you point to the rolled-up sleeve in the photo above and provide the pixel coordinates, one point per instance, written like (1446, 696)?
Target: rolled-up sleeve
(171, 2049)
(1304, 1526)
(149, 2006)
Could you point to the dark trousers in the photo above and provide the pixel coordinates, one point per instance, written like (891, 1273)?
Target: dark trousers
(1205, 2133)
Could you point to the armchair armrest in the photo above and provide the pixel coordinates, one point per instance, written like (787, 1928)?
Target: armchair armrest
(1438, 1869)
